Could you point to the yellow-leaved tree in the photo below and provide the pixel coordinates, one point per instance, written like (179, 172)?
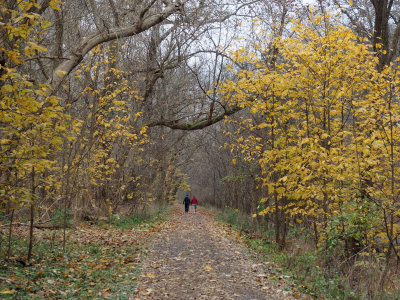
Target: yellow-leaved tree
(324, 130)
(112, 137)
(33, 124)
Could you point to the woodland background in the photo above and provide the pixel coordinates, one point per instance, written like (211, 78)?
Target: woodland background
(282, 114)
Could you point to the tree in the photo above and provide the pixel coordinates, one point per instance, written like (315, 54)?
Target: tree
(327, 113)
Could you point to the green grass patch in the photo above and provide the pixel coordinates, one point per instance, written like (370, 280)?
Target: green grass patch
(140, 219)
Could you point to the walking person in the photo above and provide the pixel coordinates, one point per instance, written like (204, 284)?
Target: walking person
(194, 203)
(186, 201)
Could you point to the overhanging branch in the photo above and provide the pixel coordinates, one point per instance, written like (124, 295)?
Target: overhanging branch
(179, 125)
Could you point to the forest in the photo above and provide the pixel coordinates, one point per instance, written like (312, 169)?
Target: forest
(282, 116)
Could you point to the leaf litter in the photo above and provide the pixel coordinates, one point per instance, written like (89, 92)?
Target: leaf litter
(99, 262)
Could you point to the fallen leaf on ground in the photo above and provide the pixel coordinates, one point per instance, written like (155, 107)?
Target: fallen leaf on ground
(150, 275)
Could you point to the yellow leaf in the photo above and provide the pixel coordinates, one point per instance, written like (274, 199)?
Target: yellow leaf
(283, 179)
(61, 73)
(207, 268)
(143, 130)
(150, 275)
(8, 88)
(54, 4)
(6, 292)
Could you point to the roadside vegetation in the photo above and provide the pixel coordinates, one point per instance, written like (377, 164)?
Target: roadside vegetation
(101, 259)
(303, 266)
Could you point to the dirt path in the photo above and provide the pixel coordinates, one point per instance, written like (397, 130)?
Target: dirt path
(193, 258)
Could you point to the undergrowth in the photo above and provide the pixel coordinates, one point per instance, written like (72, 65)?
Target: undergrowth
(303, 267)
(140, 218)
(99, 261)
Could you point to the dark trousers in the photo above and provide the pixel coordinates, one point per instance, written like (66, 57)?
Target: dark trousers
(186, 207)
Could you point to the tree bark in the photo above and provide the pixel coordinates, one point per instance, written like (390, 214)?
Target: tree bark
(381, 30)
(10, 235)
(32, 216)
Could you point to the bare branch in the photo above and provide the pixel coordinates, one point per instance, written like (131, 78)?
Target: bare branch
(146, 9)
(90, 42)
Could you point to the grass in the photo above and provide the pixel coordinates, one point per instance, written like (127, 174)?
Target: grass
(145, 218)
(100, 261)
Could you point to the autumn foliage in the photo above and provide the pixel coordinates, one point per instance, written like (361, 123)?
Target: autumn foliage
(324, 133)
(77, 147)
(90, 120)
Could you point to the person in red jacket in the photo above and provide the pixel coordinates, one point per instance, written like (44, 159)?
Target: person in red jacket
(194, 203)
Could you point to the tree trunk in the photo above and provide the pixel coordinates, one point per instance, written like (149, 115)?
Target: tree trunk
(32, 215)
(381, 30)
(277, 221)
(10, 234)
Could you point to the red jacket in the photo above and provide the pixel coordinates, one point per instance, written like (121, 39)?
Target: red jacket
(195, 201)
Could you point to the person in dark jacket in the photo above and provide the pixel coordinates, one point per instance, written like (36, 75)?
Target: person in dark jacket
(186, 201)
